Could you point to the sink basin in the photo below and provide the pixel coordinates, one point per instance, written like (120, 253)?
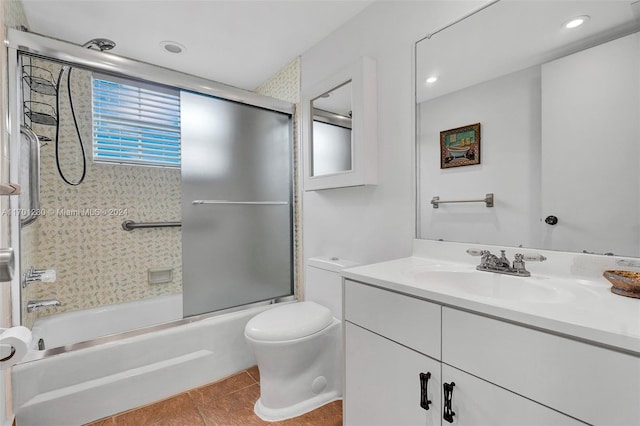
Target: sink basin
(495, 286)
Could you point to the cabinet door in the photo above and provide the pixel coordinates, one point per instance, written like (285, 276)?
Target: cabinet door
(382, 382)
(477, 402)
(597, 385)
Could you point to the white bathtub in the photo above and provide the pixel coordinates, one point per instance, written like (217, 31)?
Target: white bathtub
(90, 383)
(80, 326)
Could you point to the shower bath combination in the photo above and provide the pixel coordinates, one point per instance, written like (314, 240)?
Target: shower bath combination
(256, 203)
(233, 196)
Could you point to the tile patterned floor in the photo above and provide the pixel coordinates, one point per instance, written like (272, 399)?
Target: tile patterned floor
(227, 402)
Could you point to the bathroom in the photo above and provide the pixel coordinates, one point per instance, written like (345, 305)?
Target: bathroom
(376, 222)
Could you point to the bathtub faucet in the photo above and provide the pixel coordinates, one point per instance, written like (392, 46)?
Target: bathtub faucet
(38, 275)
(35, 305)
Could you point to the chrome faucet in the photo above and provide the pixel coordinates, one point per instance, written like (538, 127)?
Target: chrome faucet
(36, 305)
(34, 275)
(491, 263)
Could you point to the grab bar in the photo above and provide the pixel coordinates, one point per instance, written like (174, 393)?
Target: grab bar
(488, 200)
(244, 203)
(129, 225)
(34, 175)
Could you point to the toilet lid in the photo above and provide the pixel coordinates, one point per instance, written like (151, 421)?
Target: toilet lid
(289, 322)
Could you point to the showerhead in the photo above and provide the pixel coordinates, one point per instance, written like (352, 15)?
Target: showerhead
(100, 43)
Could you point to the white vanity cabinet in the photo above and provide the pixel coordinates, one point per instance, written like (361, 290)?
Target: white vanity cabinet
(385, 358)
(503, 373)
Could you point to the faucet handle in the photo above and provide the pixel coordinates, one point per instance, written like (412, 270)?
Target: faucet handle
(38, 275)
(533, 257)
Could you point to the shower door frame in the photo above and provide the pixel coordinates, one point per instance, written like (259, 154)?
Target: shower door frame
(108, 63)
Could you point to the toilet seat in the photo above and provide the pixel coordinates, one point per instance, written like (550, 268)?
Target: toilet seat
(289, 322)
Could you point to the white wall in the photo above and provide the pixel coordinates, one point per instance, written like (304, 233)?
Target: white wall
(369, 224)
(590, 111)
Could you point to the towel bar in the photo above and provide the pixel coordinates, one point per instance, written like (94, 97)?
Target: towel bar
(488, 200)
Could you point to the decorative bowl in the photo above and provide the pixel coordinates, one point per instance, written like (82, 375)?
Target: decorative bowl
(625, 283)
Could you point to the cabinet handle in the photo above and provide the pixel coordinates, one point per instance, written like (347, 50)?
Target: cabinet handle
(448, 395)
(424, 382)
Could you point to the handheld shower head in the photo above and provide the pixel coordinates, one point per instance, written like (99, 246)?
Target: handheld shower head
(101, 43)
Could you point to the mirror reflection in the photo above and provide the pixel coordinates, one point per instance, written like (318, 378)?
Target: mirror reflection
(559, 109)
(331, 139)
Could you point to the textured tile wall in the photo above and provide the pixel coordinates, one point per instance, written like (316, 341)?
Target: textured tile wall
(14, 16)
(285, 85)
(97, 262)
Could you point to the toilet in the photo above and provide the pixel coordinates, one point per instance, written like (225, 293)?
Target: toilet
(298, 346)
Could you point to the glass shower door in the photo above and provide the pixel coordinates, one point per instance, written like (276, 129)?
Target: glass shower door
(236, 204)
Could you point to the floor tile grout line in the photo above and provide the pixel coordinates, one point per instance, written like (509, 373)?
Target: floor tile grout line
(252, 378)
(204, 418)
(198, 407)
(222, 395)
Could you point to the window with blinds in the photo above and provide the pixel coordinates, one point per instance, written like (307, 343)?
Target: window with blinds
(135, 123)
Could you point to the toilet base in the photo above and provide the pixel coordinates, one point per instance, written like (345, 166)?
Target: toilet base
(274, 415)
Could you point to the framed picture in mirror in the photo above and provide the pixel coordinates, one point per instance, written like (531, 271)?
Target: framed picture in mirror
(460, 146)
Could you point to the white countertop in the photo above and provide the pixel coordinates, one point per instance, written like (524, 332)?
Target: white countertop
(581, 306)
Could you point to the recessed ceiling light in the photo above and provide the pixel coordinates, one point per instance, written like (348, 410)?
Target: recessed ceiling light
(172, 47)
(576, 22)
(432, 79)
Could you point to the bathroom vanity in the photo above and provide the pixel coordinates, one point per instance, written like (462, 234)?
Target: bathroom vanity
(432, 341)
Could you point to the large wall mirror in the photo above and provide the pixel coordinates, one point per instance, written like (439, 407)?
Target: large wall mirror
(340, 129)
(559, 109)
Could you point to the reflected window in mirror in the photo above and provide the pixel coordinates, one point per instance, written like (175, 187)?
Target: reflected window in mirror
(339, 128)
(331, 138)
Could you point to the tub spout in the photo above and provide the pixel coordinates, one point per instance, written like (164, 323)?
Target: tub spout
(35, 305)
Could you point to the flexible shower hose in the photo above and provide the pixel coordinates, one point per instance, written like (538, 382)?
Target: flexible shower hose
(75, 122)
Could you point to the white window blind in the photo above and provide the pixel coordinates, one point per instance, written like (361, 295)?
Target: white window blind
(135, 123)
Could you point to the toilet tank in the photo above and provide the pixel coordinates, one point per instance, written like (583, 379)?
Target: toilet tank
(323, 283)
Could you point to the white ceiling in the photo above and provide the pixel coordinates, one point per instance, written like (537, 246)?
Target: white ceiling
(514, 34)
(237, 42)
